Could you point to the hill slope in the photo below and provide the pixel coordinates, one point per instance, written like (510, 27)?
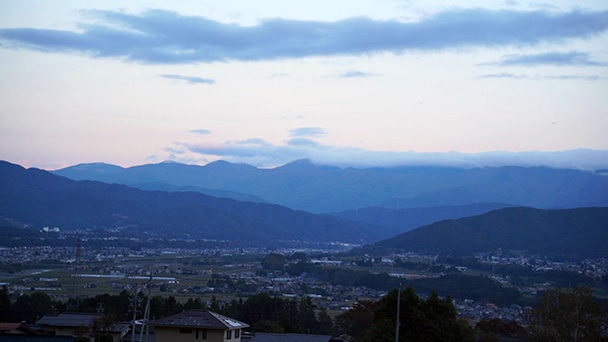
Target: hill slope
(39, 199)
(325, 189)
(406, 219)
(568, 233)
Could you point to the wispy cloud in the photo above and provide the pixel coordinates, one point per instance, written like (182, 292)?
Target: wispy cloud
(307, 132)
(550, 58)
(356, 74)
(576, 77)
(268, 155)
(200, 131)
(503, 75)
(545, 77)
(189, 79)
(162, 37)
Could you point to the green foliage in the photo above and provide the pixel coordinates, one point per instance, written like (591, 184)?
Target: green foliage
(433, 319)
(5, 305)
(29, 307)
(273, 261)
(268, 327)
(358, 319)
(344, 276)
(566, 316)
(472, 287)
(495, 326)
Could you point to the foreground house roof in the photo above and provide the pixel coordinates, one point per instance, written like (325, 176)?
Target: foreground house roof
(269, 337)
(68, 319)
(15, 328)
(73, 319)
(199, 319)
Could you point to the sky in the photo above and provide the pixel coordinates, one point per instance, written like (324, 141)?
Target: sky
(350, 83)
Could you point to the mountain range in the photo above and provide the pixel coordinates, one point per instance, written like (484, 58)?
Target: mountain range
(303, 185)
(39, 198)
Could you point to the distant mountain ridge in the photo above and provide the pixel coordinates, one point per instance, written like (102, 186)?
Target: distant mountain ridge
(567, 233)
(39, 198)
(325, 189)
(406, 219)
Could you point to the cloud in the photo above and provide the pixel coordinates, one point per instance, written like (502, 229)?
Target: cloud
(575, 77)
(307, 132)
(302, 142)
(269, 155)
(546, 77)
(163, 37)
(189, 79)
(356, 74)
(503, 75)
(551, 58)
(200, 131)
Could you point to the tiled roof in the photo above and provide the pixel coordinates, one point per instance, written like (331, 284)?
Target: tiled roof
(72, 319)
(200, 319)
(7, 327)
(268, 337)
(68, 319)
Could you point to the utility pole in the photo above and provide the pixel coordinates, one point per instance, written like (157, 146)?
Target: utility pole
(135, 303)
(146, 320)
(398, 305)
(72, 303)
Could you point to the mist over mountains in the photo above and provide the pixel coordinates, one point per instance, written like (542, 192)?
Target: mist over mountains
(314, 188)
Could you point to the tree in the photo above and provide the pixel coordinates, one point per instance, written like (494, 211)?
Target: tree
(566, 315)
(273, 261)
(5, 305)
(98, 330)
(355, 321)
(31, 307)
(495, 326)
(268, 326)
(325, 325)
(433, 319)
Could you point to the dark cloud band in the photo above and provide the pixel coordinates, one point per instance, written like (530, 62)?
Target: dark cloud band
(551, 58)
(162, 37)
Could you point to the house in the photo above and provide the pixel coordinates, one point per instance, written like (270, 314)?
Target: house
(20, 332)
(69, 324)
(197, 325)
(273, 337)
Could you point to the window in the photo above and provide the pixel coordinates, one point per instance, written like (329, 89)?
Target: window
(228, 334)
(204, 334)
(185, 331)
(237, 333)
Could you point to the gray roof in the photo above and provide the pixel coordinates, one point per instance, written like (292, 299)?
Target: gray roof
(68, 319)
(72, 319)
(200, 319)
(268, 337)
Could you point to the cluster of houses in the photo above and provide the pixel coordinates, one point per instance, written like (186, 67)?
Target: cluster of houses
(192, 325)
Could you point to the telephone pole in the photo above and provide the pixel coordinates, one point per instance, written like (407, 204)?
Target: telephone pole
(398, 305)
